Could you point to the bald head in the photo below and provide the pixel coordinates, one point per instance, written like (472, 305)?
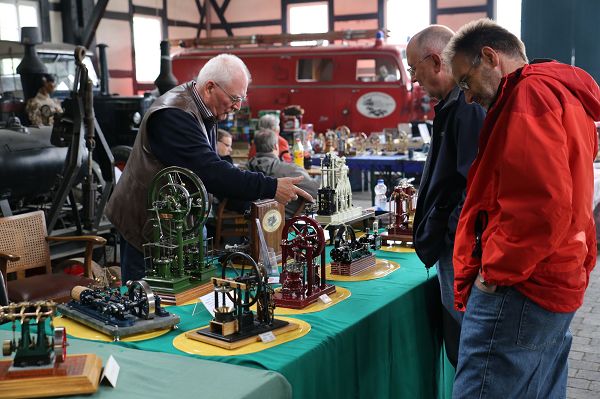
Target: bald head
(432, 39)
(425, 62)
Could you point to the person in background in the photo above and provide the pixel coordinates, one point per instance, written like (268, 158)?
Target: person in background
(453, 148)
(271, 122)
(224, 142)
(41, 108)
(525, 243)
(180, 129)
(267, 162)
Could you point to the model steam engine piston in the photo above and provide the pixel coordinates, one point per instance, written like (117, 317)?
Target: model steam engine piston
(33, 349)
(302, 280)
(178, 207)
(404, 203)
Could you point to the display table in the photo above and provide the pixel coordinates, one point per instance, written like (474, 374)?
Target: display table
(382, 342)
(161, 375)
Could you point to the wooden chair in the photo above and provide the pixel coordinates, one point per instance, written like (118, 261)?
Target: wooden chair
(229, 224)
(24, 246)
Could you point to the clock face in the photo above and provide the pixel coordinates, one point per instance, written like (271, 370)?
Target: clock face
(271, 221)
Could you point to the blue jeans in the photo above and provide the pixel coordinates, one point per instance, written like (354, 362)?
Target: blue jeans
(511, 348)
(451, 318)
(132, 262)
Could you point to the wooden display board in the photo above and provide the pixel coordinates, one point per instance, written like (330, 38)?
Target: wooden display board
(271, 215)
(78, 374)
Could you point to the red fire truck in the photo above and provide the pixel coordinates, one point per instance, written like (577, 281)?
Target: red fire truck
(363, 85)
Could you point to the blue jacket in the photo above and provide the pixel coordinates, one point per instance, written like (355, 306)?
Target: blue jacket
(454, 144)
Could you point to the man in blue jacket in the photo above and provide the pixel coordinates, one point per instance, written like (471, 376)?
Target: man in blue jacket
(179, 129)
(442, 190)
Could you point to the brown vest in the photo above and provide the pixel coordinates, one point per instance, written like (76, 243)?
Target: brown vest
(128, 206)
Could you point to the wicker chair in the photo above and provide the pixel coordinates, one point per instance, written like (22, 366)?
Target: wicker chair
(24, 246)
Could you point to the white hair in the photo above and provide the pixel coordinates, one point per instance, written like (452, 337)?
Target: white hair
(269, 121)
(222, 69)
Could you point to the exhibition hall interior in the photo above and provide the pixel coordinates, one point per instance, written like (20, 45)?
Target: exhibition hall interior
(298, 199)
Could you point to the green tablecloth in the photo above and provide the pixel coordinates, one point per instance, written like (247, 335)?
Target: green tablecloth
(382, 342)
(161, 375)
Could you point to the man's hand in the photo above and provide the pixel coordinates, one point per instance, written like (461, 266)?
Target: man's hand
(287, 191)
(483, 286)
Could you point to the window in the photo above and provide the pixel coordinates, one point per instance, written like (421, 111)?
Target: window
(308, 18)
(15, 14)
(508, 15)
(147, 34)
(377, 70)
(404, 18)
(314, 70)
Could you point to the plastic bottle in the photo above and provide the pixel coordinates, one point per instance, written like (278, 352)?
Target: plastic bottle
(298, 153)
(380, 197)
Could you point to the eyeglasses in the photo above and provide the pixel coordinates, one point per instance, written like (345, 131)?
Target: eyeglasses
(234, 99)
(225, 144)
(413, 69)
(464, 82)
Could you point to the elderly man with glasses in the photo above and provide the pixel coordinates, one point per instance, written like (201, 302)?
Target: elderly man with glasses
(453, 147)
(525, 243)
(179, 129)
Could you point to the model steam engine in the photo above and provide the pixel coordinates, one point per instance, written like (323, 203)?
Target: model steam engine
(177, 267)
(351, 256)
(245, 284)
(403, 203)
(302, 279)
(31, 350)
(112, 313)
(335, 195)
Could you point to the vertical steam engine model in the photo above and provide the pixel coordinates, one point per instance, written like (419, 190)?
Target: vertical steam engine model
(302, 280)
(40, 367)
(335, 195)
(39, 350)
(111, 313)
(351, 256)
(403, 203)
(177, 268)
(245, 284)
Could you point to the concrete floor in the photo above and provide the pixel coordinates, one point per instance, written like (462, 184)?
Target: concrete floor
(584, 359)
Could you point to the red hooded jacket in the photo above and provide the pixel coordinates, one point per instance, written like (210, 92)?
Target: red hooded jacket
(527, 220)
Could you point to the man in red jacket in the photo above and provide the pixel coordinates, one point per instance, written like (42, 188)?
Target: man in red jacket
(525, 243)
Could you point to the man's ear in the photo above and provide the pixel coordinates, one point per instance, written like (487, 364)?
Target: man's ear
(437, 62)
(490, 56)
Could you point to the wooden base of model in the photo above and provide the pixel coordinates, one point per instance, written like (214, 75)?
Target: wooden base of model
(78, 374)
(388, 239)
(171, 298)
(197, 336)
(353, 268)
(300, 302)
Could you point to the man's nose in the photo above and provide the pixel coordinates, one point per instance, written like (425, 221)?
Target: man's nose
(413, 79)
(236, 106)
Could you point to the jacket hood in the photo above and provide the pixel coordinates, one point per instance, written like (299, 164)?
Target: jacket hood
(263, 162)
(575, 79)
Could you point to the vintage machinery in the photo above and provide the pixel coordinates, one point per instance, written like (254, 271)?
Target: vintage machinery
(31, 350)
(40, 366)
(351, 256)
(403, 203)
(34, 172)
(245, 284)
(118, 315)
(302, 279)
(177, 268)
(334, 198)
